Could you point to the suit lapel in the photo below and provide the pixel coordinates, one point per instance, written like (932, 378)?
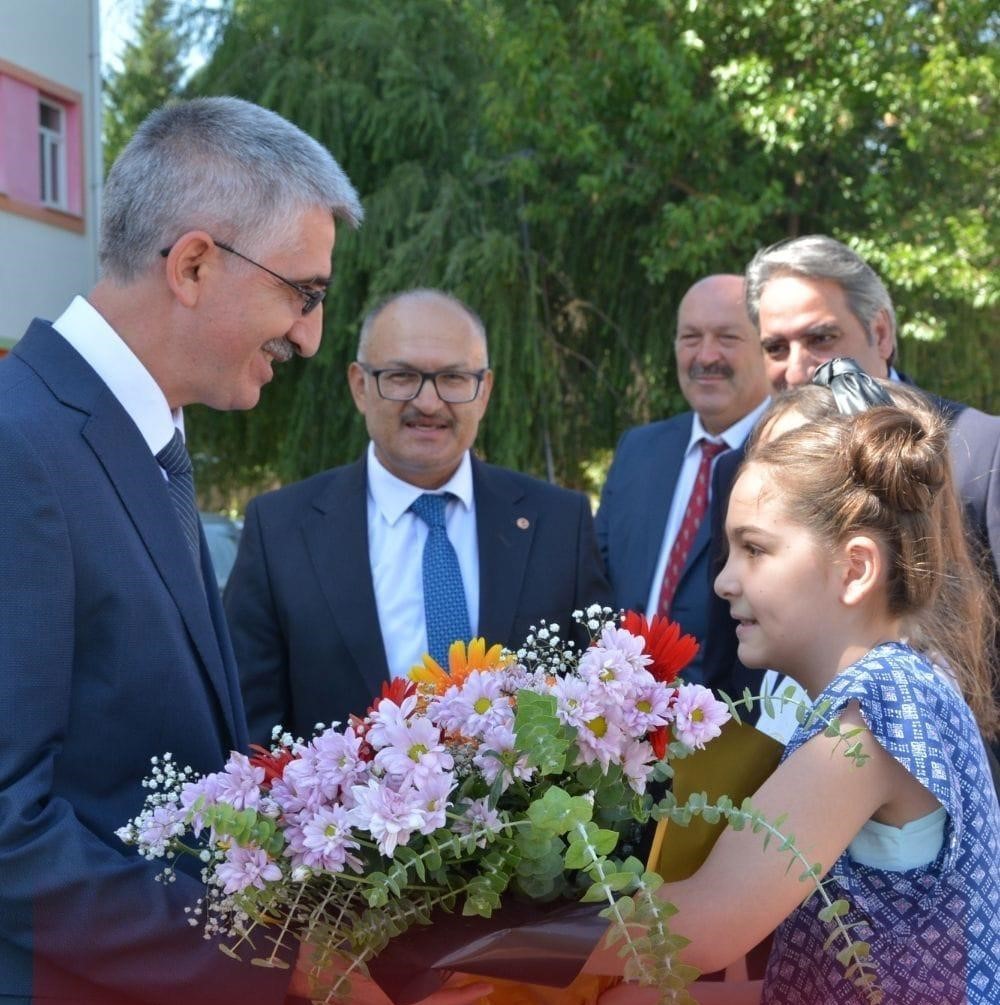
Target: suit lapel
(336, 538)
(138, 481)
(142, 490)
(505, 529)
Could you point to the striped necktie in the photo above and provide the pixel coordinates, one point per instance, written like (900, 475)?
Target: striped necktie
(174, 459)
(693, 516)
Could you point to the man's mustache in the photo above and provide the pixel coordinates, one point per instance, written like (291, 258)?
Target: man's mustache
(412, 414)
(280, 348)
(696, 370)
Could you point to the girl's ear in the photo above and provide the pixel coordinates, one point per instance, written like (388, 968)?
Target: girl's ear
(863, 569)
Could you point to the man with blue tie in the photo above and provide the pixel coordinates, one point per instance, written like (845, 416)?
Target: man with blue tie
(217, 232)
(344, 580)
(651, 524)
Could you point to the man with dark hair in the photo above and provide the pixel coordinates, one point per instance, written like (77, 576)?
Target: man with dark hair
(812, 299)
(344, 580)
(217, 231)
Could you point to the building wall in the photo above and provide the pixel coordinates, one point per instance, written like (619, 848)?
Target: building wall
(48, 49)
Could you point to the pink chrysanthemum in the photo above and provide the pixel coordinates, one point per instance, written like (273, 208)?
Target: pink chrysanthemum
(698, 715)
(245, 867)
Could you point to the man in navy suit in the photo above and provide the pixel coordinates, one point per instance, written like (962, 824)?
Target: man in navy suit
(217, 232)
(656, 559)
(326, 600)
(812, 298)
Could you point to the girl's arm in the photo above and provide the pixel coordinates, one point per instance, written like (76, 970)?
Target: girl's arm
(743, 891)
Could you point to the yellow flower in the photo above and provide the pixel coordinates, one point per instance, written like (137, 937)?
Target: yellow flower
(462, 660)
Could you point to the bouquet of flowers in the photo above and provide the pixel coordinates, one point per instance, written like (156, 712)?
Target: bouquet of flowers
(507, 776)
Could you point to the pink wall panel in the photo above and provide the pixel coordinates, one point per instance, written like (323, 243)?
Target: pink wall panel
(74, 159)
(19, 124)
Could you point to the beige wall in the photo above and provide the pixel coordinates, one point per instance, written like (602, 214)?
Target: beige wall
(46, 259)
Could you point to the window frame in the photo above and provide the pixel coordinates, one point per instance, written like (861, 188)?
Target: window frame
(69, 213)
(52, 142)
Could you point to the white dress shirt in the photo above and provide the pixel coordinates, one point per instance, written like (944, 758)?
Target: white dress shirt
(127, 379)
(733, 438)
(395, 551)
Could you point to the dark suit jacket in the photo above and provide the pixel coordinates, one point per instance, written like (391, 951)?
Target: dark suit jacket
(112, 649)
(974, 443)
(301, 604)
(632, 519)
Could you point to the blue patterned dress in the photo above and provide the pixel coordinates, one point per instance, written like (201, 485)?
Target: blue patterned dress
(935, 930)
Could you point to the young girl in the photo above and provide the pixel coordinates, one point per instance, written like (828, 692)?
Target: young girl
(845, 540)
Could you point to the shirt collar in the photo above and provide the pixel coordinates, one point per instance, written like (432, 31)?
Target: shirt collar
(733, 437)
(127, 379)
(393, 496)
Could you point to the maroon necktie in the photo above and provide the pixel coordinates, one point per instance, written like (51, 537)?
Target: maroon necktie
(693, 515)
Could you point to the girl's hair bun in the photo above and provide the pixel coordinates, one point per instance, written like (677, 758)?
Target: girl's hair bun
(900, 457)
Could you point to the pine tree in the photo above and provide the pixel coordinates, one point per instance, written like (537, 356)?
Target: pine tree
(150, 75)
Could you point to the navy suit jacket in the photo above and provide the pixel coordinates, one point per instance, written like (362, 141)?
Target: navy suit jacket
(301, 603)
(974, 444)
(632, 519)
(112, 649)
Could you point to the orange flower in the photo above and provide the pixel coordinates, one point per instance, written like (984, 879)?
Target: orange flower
(670, 650)
(462, 660)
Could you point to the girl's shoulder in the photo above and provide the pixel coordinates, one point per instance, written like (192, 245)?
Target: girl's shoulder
(915, 714)
(898, 678)
(904, 697)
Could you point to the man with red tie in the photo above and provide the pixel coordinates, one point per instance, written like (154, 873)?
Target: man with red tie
(651, 526)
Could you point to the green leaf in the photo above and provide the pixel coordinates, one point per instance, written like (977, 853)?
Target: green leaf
(835, 910)
(539, 733)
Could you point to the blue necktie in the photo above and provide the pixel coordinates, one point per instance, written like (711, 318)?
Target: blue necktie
(174, 459)
(445, 612)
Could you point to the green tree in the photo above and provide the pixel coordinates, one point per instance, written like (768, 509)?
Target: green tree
(569, 167)
(150, 75)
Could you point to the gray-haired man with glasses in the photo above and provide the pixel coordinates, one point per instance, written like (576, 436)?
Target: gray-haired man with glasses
(344, 580)
(113, 643)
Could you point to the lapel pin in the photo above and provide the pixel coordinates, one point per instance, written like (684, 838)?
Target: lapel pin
(523, 522)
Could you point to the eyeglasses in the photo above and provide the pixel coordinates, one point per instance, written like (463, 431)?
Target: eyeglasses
(312, 298)
(454, 387)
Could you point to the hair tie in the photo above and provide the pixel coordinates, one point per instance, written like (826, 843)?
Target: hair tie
(853, 390)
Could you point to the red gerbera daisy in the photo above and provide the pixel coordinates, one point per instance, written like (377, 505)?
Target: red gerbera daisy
(670, 650)
(273, 763)
(658, 739)
(396, 690)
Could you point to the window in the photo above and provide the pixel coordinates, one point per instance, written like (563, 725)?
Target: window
(52, 154)
(42, 174)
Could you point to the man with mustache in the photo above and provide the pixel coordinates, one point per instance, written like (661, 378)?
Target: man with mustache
(650, 525)
(344, 580)
(811, 299)
(217, 229)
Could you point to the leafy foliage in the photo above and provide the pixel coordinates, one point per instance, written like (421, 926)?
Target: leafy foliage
(150, 75)
(570, 168)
